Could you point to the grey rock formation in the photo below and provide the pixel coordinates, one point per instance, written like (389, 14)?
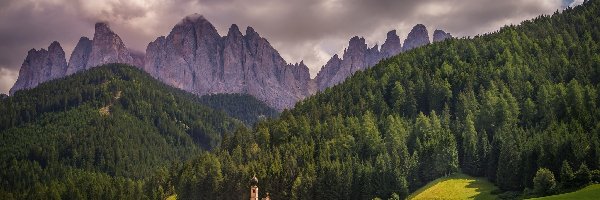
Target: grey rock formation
(439, 35)
(107, 47)
(44, 65)
(356, 57)
(80, 56)
(324, 77)
(40, 66)
(56, 62)
(392, 45)
(417, 37)
(195, 58)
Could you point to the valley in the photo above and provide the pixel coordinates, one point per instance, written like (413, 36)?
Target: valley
(510, 114)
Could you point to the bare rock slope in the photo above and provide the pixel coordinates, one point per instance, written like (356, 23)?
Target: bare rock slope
(195, 58)
(41, 66)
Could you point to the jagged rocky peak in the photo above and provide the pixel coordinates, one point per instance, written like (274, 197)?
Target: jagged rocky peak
(440, 35)
(373, 56)
(195, 58)
(300, 71)
(301, 67)
(56, 58)
(334, 58)
(251, 32)
(391, 46)
(107, 47)
(80, 56)
(356, 57)
(54, 46)
(40, 66)
(357, 44)
(252, 37)
(417, 37)
(234, 31)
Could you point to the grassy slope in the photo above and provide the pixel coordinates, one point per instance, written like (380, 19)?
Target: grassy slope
(589, 192)
(457, 186)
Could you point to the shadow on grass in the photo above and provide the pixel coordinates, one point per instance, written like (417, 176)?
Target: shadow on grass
(482, 188)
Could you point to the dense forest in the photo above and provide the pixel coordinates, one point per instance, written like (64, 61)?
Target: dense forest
(519, 106)
(244, 107)
(100, 134)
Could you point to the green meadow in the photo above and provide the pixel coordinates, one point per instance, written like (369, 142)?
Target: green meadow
(589, 192)
(456, 186)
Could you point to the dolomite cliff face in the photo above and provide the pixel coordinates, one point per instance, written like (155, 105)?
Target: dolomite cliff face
(80, 56)
(392, 45)
(41, 66)
(417, 37)
(195, 58)
(44, 65)
(356, 57)
(107, 47)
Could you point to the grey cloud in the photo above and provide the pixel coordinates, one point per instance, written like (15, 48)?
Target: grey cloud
(7, 79)
(309, 30)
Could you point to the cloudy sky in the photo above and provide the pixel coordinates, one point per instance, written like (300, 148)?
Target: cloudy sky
(309, 30)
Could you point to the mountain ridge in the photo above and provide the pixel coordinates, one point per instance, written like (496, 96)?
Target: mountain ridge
(195, 58)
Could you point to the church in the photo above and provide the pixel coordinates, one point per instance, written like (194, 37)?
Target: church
(254, 190)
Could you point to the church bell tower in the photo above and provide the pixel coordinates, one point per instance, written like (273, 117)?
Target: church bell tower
(254, 188)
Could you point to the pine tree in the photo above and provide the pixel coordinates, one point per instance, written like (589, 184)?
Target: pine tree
(566, 174)
(470, 147)
(583, 175)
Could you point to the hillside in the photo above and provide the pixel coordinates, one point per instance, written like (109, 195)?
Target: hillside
(590, 192)
(99, 133)
(244, 107)
(500, 105)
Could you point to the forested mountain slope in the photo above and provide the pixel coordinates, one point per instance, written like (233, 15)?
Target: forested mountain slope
(501, 105)
(244, 107)
(99, 134)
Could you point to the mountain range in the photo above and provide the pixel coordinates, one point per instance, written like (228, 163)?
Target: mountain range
(518, 107)
(195, 58)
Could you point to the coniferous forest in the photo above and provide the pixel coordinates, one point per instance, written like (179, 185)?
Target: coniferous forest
(504, 106)
(239, 106)
(519, 107)
(99, 134)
